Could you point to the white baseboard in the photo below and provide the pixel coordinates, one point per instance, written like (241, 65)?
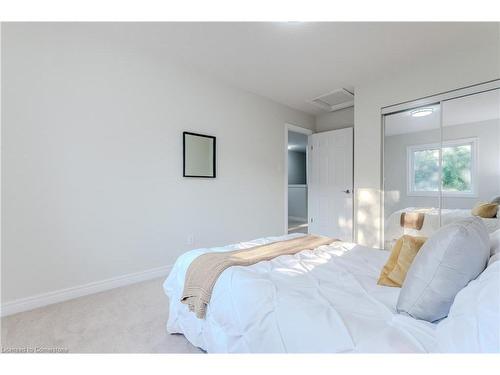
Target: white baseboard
(44, 299)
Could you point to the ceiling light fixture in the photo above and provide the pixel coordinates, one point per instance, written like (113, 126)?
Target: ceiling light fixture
(421, 112)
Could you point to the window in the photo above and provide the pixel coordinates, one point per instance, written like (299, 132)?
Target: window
(458, 168)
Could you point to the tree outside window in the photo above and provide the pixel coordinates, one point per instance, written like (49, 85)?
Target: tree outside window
(457, 168)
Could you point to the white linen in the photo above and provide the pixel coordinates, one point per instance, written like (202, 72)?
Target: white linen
(325, 300)
(453, 256)
(494, 247)
(473, 325)
(393, 229)
(495, 242)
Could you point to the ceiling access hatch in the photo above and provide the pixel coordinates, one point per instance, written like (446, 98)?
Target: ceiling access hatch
(335, 100)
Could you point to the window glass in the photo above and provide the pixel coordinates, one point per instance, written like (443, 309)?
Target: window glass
(426, 170)
(457, 168)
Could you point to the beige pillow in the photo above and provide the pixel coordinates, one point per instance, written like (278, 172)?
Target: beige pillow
(394, 271)
(485, 210)
(390, 264)
(411, 246)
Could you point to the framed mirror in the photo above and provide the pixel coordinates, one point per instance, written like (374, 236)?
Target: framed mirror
(198, 158)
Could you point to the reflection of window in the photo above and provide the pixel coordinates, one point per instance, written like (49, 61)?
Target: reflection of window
(458, 168)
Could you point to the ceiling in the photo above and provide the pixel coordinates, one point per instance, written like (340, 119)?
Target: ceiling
(468, 109)
(292, 62)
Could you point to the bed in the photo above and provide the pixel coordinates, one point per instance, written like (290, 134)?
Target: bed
(321, 300)
(393, 229)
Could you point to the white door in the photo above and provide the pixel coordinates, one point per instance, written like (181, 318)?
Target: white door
(330, 183)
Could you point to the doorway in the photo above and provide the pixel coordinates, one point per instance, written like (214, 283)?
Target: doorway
(319, 182)
(296, 162)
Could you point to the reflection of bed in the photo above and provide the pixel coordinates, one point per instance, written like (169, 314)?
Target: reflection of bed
(393, 229)
(324, 300)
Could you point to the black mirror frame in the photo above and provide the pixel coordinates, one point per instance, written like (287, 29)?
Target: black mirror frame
(184, 154)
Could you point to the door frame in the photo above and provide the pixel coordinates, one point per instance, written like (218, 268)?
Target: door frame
(296, 129)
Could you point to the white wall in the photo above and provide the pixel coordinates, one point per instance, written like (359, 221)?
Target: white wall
(92, 184)
(340, 119)
(442, 73)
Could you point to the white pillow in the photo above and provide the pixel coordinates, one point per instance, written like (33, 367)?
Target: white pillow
(493, 259)
(494, 247)
(473, 324)
(495, 242)
(496, 200)
(454, 255)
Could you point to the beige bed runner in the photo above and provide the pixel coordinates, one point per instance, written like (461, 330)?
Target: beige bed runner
(204, 271)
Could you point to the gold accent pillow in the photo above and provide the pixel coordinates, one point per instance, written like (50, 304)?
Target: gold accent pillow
(390, 264)
(486, 210)
(399, 262)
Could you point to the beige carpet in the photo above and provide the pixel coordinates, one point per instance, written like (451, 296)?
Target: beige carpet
(130, 319)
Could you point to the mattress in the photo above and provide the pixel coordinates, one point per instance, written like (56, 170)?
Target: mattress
(324, 300)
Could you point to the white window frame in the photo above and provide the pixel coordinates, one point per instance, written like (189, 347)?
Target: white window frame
(410, 180)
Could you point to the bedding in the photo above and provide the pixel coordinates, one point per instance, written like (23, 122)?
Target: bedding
(453, 256)
(473, 324)
(322, 301)
(409, 248)
(495, 242)
(393, 229)
(494, 247)
(204, 271)
(496, 200)
(390, 264)
(485, 210)
(493, 259)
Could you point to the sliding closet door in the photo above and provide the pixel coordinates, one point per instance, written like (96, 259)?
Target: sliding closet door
(412, 141)
(470, 155)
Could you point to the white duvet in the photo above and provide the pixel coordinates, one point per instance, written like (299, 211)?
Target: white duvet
(325, 300)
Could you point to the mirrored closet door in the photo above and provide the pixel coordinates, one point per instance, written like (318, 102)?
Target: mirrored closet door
(471, 158)
(411, 172)
(441, 164)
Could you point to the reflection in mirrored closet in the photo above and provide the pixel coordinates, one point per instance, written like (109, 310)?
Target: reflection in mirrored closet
(441, 164)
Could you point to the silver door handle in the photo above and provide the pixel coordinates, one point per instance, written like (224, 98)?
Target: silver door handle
(347, 191)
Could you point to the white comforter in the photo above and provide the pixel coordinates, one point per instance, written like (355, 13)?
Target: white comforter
(325, 300)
